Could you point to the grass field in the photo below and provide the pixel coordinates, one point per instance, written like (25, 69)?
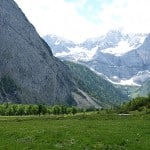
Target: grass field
(79, 132)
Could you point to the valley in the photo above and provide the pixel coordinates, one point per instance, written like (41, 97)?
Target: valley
(56, 94)
(31, 74)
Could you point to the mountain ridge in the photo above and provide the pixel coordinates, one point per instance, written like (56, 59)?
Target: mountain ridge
(100, 55)
(29, 73)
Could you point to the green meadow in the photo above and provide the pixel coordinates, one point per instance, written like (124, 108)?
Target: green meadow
(84, 131)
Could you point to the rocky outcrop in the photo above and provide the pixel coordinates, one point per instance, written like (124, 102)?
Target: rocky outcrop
(124, 66)
(28, 61)
(84, 101)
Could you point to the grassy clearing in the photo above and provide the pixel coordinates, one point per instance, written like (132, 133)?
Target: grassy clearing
(79, 132)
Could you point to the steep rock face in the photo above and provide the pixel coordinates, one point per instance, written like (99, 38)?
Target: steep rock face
(122, 67)
(125, 66)
(144, 52)
(28, 61)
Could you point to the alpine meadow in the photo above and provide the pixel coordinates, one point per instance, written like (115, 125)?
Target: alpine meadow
(74, 75)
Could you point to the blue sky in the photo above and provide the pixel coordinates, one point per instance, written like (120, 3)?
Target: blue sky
(80, 19)
(90, 8)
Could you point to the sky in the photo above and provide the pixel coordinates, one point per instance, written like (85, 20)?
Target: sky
(78, 20)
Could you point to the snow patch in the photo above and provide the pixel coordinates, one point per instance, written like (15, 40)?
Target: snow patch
(127, 82)
(117, 81)
(136, 80)
(79, 53)
(57, 43)
(142, 39)
(142, 76)
(125, 46)
(122, 48)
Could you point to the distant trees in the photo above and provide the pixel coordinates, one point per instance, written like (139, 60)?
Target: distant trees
(141, 104)
(8, 109)
(138, 103)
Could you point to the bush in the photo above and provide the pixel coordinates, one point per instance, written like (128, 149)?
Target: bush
(136, 104)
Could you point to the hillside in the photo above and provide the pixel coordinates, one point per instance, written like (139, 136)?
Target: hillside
(143, 90)
(103, 92)
(29, 73)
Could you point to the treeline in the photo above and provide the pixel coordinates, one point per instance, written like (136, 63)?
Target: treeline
(141, 104)
(7, 109)
(137, 104)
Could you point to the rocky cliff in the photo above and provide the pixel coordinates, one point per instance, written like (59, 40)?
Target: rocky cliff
(125, 66)
(27, 63)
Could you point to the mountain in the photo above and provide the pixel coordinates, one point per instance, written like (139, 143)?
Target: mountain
(58, 44)
(67, 50)
(125, 67)
(119, 57)
(115, 42)
(29, 73)
(100, 90)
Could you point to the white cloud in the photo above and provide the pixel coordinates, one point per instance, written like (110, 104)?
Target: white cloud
(132, 15)
(57, 17)
(62, 18)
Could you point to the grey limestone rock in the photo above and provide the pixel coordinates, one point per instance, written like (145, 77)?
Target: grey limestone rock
(28, 60)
